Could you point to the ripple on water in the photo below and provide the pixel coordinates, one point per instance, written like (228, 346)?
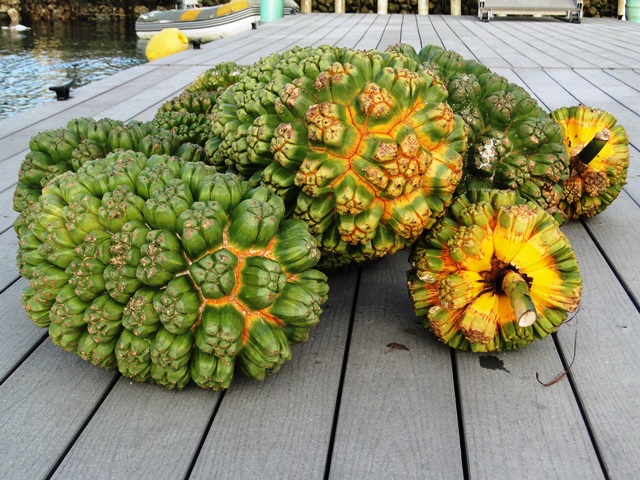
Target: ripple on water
(49, 54)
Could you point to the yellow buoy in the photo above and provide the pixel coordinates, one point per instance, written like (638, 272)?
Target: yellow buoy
(166, 42)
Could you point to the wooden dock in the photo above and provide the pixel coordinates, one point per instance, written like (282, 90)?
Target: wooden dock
(349, 406)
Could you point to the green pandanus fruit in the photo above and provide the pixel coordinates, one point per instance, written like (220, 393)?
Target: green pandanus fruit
(494, 273)
(216, 79)
(188, 114)
(368, 153)
(50, 154)
(169, 271)
(245, 117)
(200, 103)
(512, 143)
(54, 152)
(188, 127)
(359, 144)
(598, 160)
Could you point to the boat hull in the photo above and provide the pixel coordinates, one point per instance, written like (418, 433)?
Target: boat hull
(207, 27)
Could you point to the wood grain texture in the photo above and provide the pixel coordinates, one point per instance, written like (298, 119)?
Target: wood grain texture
(397, 415)
(428, 34)
(8, 267)
(605, 370)
(357, 32)
(7, 214)
(496, 50)
(141, 428)
(280, 428)
(17, 331)
(513, 423)
(42, 406)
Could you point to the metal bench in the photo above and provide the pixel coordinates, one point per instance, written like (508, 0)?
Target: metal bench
(570, 10)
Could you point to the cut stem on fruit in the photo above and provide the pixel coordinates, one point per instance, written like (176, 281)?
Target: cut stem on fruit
(516, 288)
(595, 146)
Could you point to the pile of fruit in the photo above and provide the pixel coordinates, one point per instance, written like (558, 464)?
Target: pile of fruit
(193, 245)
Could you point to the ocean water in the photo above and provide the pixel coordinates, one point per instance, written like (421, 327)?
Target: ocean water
(33, 60)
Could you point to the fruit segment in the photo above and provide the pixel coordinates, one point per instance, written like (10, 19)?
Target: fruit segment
(598, 160)
(169, 271)
(494, 273)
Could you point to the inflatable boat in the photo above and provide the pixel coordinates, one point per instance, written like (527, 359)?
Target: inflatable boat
(206, 23)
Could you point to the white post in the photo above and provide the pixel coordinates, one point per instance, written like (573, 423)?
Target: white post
(340, 6)
(621, 7)
(305, 6)
(383, 7)
(423, 7)
(456, 7)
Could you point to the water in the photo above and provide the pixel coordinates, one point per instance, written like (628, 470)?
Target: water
(48, 54)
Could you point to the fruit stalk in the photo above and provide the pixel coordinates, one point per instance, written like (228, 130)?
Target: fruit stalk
(517, 290)
(595, 146)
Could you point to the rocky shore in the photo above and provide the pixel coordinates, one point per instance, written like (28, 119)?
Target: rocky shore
(62, 10)
(28, 11)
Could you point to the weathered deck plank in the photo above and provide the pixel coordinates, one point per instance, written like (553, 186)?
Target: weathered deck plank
(605, 371)
(18, 333)
(614, 231)
(386, 412)
(355, 34)
(338, 31)
(450, 41)
(374, 32)
(483, 52)
(579, 48)
(8, 269)
(428, 34)
(398, 389)
(44, 404)
(7, 215)
(530, 422)
(496, 51)
(101, 105)
(289, 417)
(152, 433)
(392, 32)
(606, 52)
(409, 32)
(542, 53)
